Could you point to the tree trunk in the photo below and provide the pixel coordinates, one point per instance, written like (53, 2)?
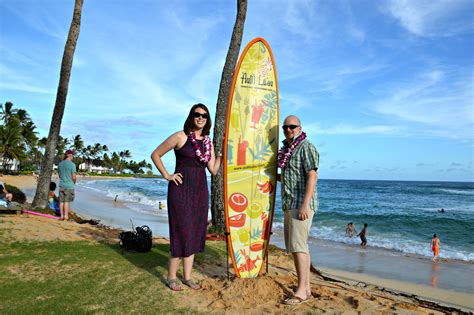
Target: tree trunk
(217, 196)
(41, 195)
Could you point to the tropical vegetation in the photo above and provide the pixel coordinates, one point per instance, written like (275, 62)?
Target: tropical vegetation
(19, 143)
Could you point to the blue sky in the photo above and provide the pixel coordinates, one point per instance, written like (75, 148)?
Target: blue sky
(385, 89)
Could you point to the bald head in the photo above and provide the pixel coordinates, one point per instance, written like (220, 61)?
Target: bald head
(292, 119)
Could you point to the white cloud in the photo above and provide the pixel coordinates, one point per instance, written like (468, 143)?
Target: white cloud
(443, 101)
(42, 18)
(301, 19)
(348, 129)
(429, 18)
(12, 80)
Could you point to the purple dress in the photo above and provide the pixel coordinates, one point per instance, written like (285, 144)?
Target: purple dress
(188, 203)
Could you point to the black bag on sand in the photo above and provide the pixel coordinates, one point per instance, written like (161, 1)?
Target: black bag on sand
(139, 240)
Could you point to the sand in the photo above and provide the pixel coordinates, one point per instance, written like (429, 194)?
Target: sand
(333, 291)
(263, 294)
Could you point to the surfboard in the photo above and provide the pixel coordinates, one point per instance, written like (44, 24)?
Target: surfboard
(250, 158)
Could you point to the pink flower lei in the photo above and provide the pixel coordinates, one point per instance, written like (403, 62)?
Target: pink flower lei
(207, 147)
(286, 151)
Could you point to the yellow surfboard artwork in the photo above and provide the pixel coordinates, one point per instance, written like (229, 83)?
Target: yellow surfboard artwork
(250, 164)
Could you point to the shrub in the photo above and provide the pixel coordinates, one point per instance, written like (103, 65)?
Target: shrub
(18, 195)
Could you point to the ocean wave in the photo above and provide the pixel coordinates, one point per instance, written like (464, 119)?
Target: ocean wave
(399, 221)
(139, 209)
(392, 243)
(125, 193)
(457, 191)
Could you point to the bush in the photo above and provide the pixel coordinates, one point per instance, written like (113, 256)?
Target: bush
(18, 195)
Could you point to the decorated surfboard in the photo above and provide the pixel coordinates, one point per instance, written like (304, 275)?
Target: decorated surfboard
(250, 165)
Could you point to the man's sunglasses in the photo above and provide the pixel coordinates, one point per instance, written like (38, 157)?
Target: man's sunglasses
(197, 115)
(292, 127)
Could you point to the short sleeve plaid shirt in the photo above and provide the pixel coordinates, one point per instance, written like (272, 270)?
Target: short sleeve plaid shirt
(295, 174)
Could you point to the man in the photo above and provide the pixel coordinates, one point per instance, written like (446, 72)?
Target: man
(435, 247)
(67, 180)
(299, 162)
(4, 194)
(363, 235)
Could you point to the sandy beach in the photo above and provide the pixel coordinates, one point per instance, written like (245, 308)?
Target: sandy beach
(369, 282)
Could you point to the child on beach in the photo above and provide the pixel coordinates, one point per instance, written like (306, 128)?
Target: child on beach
(53, 200)
(4, 194)
(435, 246)
(363, 234)
(350, 230)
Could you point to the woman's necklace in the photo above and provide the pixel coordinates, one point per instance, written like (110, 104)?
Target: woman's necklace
(286, 151)
(203, 157)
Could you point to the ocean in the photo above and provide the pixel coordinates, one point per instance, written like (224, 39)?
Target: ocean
(402, 216)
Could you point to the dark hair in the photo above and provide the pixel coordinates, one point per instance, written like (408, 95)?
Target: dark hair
(189, 123)
(52, 186)
(435, 235)
(365, 224)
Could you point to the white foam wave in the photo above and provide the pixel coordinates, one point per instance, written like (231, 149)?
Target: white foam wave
(136, 207)
(457, 191)
(126, 196)
(391, 242)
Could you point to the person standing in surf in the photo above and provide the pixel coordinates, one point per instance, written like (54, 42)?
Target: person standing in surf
(299, 162)
(188, 196)
(435, 247)
(363, 235)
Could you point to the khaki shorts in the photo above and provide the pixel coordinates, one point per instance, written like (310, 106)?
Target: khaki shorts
(297, 231)
(66, 195)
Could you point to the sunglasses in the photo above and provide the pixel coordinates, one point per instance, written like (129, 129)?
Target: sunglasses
(292, 127)
(197, 115)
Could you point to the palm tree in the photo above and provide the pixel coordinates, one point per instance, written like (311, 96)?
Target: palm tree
(217, 196)
(77, 143)
(77, 146)
(123, 156)
(11, 142)
(61, 146)
(115, 161)
(18, 133)
(41, 194)
(7, 111)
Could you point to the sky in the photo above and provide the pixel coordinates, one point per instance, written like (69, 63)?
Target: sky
(384, 89)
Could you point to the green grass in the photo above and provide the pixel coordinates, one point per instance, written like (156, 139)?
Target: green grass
(83, 277)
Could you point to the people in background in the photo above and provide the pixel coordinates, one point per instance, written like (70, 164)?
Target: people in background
(363, 235)
(435, 246)
(53, 200)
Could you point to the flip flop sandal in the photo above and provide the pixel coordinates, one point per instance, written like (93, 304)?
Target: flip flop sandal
(193, 285)
(295, 300)
(173, 284)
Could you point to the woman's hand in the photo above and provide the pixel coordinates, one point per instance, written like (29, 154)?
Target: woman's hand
(177, 178)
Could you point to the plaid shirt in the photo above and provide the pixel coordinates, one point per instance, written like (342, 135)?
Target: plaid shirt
(295, 174)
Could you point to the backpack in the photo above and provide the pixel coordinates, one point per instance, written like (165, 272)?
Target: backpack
(138, 241)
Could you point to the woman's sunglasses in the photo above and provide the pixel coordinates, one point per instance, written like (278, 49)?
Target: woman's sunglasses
(292, 127)
(197, 115)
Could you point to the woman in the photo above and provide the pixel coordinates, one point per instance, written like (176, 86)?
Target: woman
(188, 196)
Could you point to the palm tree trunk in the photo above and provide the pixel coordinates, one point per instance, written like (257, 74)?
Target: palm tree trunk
(41, 195)
(217, 196)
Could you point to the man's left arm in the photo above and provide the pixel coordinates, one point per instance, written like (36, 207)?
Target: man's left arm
(310, 167)
(308, 194)
(74, 174)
